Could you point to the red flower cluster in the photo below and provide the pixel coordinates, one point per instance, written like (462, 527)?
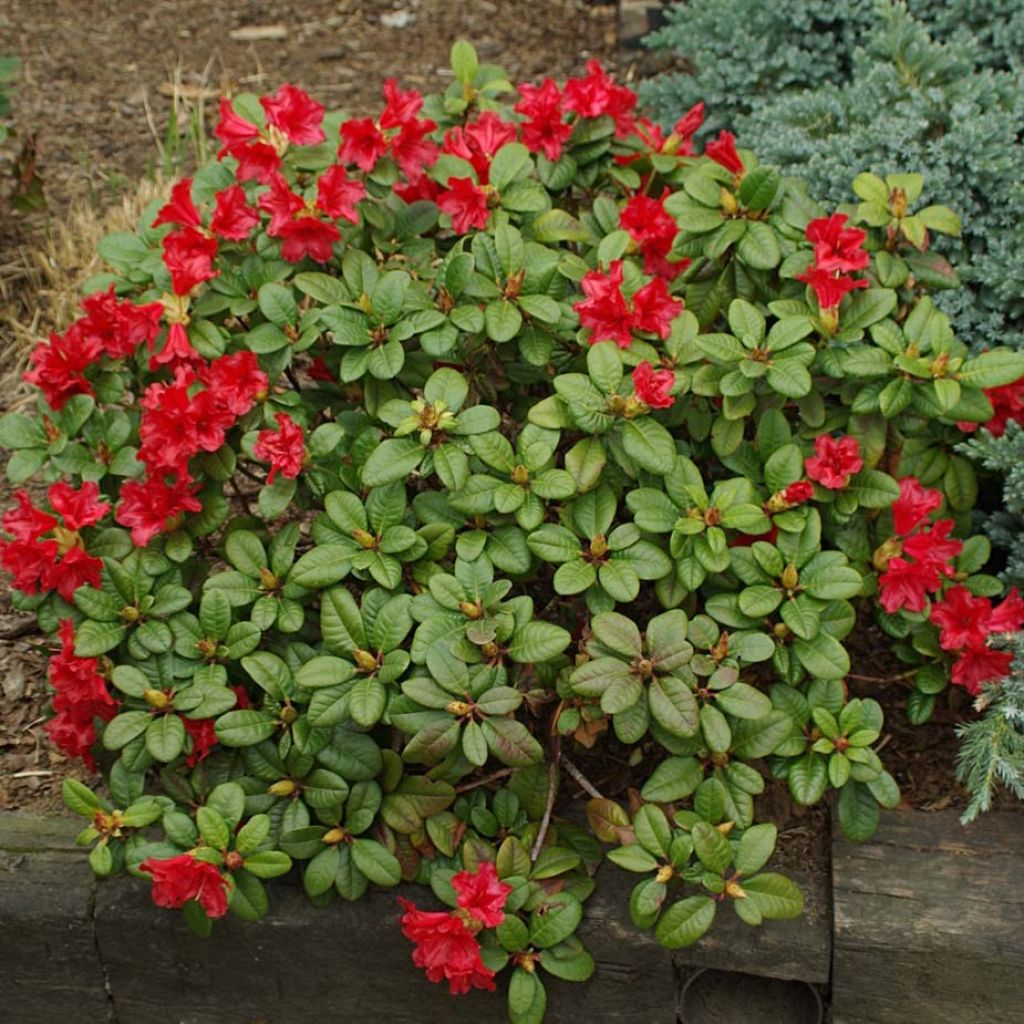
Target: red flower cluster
(446, 943)
(466, 203)
(596, 95)
(608, 316)
(82, 696)
(653, 386)
(109, 328)
(399, 132)
(478, 141)
(46, 553)
(906, 582)
(544, 130)
(965, 623)
(181, 418)
(834, 461)
(176, 880)
(294, 118)
(300, 225)
(654, 230)
(837, 253)
(283, 448)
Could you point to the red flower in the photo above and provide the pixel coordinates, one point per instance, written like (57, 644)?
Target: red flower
(687, 126)
(962, 619)
(233, 217)
(26, 522)
(466, 203)
(337, 194)
(654, 309)
(59, 365)
(204, 739)
(180, 209)
(309, 236)
(77, 508)
(979, 665)
(1007, 404)
(235, 381)
(482, 894)
(596, 94)
(723, 151)
(231, 128)
(834, 461)
(400, 107)
(411, 151)
(543, 130)
(296, 114)
(652, 386)
(904, 585)
(177, 880)
(147, 506)
(837, 248)
(604, 311)
(283, 448)
(177, 349)
(446, 948)
(746, 540)
(914, 505)
(655, 230)
(934, 546)
(58, 562)
(478, 141)
(1009, 616)
(828, 287)
(799, 492)
(362, 143)
(281, 203)
(81, 696)
(189, 256)
(257, 161)
(118, 327)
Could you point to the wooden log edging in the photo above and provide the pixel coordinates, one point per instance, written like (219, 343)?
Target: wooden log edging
(926, 927)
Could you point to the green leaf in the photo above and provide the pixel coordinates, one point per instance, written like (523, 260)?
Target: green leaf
(858, 811)
(538, 642)
(244, 728)
(511, 742)
(555, 920)
(507, 163)
(277, 304)
(165, 737)
(673, 706)
(502, 320)
(376, 862)
(756, 846)
(527, 999)
(464, 62)
(775, 896)
(685, 922)
(759, 246)
(711, 847)
(649, 445)
(393, 459)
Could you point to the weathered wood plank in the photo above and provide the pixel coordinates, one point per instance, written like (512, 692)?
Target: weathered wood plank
(350, 955)
(51, 969)
(928, 921)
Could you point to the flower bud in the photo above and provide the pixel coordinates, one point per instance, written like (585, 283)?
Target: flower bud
(735, 891)
(665, 874)
(471, 610)
(156, 699)
(459, 708)
(288, 714)
(599, 546)
(364, 660)
(364, 539)
(130, 613)
(233, 860)
(520, 475)
(268, 581)
(790, 577)
(283, 787)
(884, 552)
(728, 201)
(333, 836)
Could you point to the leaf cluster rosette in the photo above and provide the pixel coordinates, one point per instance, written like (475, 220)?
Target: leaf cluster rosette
(399, 463)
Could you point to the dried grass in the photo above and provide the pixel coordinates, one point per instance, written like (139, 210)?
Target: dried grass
(41, 281)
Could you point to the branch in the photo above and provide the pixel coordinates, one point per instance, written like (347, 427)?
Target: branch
(587, 785)
(549, 806)
(493, 777)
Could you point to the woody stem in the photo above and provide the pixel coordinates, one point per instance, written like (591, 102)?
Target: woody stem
(581, 778)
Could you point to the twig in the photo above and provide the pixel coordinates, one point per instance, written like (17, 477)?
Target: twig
(882, 679)
(581, 778)
(549, 806)
(290, 374)
(493, 777)
(241, 497)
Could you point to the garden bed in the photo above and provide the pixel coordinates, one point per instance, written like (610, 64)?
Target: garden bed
(871, 944)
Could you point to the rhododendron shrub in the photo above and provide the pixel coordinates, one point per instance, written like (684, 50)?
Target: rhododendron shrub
(399, 463)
